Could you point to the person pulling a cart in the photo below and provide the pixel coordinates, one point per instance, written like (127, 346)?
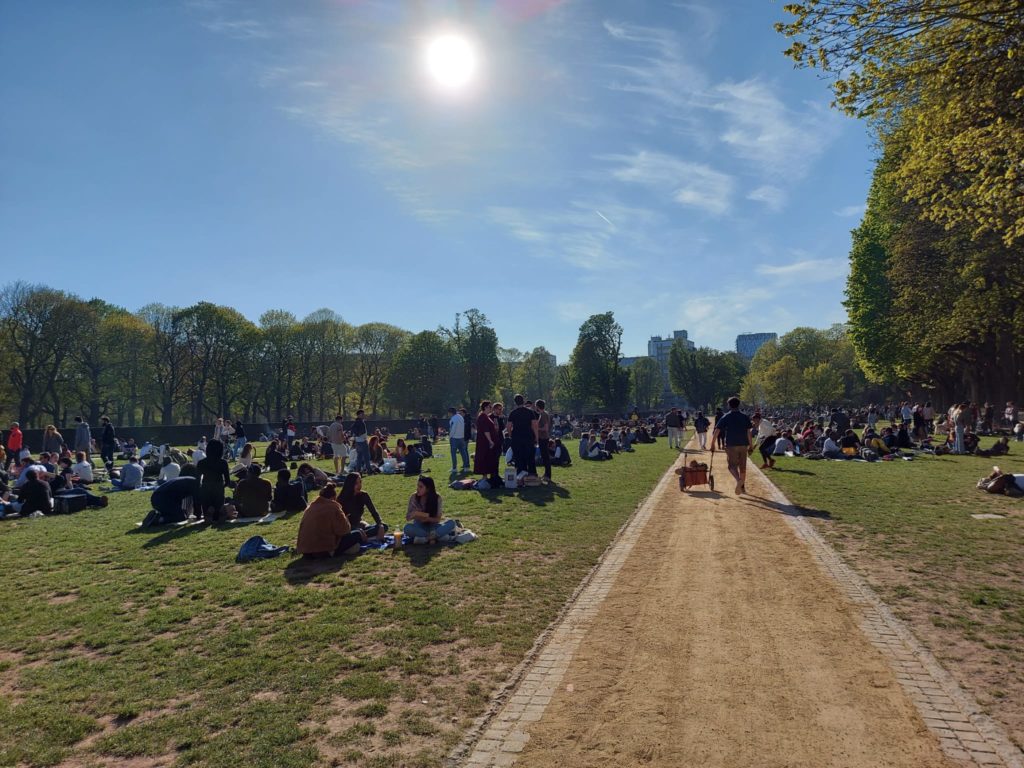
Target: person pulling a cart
(735, 427)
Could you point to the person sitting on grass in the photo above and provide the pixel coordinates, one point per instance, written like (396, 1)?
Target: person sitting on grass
(131, 475)
(274, 459)
(849, 443)
(903, 438)
(971, 441)
(610, 444)
(34, 495)
(830, 448)
(875, 443)
(355, 501)
(560, 454)
(584, 446)
(253, 494)
(64, 486)
(784, 445)
(1002, 482)
(424, 516)
(289, 495)
(245, 459)
(82, 468)
(324, 530)
(168, 471)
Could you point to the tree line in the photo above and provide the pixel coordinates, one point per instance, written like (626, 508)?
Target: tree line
(62, 356)
(935, 294)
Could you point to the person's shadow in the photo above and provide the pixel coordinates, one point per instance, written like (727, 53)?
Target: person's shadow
(302, 569)
(542, 495)
(790, 510)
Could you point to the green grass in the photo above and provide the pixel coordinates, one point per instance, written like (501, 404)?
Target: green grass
(121, 643)
(908, 527)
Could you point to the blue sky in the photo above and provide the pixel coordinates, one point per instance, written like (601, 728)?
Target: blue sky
(659, 159)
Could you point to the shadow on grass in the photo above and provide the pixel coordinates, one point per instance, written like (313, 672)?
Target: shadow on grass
(802, 472)
(542, 495)
(790, 510)
(302, 570)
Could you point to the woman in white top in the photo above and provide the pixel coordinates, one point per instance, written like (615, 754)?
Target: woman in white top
(244, 460)
(82, 468)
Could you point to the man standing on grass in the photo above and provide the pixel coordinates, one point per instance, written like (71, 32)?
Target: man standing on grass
(735, 428)
(457, 440)
(523, 430)
(83, 437)
(336, 436)
(359, 437)
(674, 422)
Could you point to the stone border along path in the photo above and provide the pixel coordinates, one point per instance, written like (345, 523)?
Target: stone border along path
(965, 733)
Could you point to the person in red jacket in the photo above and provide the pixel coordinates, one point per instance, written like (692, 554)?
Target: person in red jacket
(15, 442)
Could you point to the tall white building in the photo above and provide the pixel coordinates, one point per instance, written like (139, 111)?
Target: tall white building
(658, 348)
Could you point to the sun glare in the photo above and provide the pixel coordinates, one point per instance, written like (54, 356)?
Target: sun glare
(451, 61)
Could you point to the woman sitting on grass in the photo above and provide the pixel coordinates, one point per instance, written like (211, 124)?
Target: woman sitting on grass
(559, 453)
(289, 496)
(324, 530)
(424, 514)
(274, 459)
(355, 501)
(245, 459)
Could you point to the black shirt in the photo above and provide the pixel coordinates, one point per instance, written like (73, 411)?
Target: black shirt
(239, 429)
(735, 425)
(355, 506)
(176, 491)
(358, 428)
(522, 419)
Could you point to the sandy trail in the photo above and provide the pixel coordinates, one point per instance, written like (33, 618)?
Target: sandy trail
(722, 644)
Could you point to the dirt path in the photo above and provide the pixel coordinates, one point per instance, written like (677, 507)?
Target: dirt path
(722, 644)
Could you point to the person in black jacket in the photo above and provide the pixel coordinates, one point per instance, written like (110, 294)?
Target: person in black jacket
(34, 495)
(108, 443)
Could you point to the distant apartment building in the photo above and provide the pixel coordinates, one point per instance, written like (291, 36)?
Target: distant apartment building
(658, 348)
(747, 344)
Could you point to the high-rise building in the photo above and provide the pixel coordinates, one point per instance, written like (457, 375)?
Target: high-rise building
(747, 344)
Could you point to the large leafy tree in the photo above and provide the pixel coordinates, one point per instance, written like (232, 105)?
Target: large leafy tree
(420, 377)
(704, 376)
(538, 374)
(595, 362)
(374, 346)
(645, 378)
(946, 77)
(476, 347)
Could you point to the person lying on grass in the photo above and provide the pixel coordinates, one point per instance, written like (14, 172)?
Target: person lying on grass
(1002, 482)
(424, 514)
(324, 530)
(1001, 447)
(311, 477)
(355, 501)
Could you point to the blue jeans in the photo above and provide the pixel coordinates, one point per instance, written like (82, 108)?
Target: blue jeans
(458, 445)
(239, 445)
(362, 458)
(426, 530)
(958, 439)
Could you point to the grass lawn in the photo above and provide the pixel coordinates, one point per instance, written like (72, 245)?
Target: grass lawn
(907, 527)
(156, 647)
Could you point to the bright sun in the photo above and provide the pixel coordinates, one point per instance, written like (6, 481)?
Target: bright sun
(451, 61)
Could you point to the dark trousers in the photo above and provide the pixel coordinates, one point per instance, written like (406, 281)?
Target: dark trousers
(766, 448)
(107, 454)
(350, 538)
(545, 457)
(525, 457)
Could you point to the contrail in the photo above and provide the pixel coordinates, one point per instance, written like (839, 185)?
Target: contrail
(603, 217)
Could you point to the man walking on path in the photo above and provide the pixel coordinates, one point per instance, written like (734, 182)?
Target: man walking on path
(83, 437)
(336, 436)
(457, 440)
(674, 422)
(735, 428)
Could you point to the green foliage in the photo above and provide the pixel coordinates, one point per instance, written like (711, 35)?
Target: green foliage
(806, 365)
(475, 345)
(645, 378)
(946, 77)
(420, 380)
(704, 376)
(538, 375)
(599, 379)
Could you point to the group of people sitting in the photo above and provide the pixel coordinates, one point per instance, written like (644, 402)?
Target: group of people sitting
(30, 487)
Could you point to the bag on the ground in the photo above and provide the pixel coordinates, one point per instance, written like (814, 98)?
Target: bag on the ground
(66, 505)
(258, 548)
(510, 478)
(465, 484)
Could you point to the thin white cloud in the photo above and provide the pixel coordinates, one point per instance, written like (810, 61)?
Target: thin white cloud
(761, 129)
(806, 270)
(773, 197)
(851, 211)
(240, 29)
(694, 185)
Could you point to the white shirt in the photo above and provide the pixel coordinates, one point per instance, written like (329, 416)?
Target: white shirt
(456, 427)
(84, 470)
(198, 455)
(169, 472)
(765, 429)
(41, 473)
